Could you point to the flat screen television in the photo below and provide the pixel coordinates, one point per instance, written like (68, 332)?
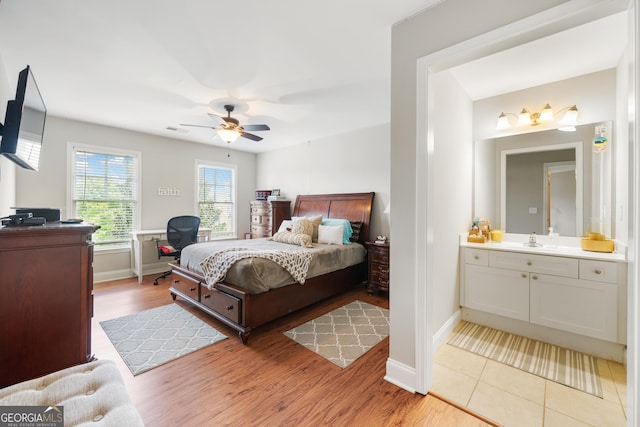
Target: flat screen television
(24, 120)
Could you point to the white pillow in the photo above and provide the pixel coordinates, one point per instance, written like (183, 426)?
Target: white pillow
(331, 234)
(286, 223)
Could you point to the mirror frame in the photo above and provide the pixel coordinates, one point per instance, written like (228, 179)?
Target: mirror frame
(577, 146)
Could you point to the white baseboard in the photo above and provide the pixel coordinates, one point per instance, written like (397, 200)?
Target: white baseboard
(111, 275)
(440, 337)
(401, 375)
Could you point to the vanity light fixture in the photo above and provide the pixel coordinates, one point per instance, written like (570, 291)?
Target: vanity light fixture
(567, 123)
(229, 135)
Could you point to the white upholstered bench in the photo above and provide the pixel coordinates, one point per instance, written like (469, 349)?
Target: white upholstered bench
(92, 394)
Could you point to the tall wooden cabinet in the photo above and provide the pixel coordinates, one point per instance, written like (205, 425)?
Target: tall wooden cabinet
(266, 216)
(46, 302)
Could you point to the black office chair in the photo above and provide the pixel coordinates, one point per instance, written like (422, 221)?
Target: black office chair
(182, 231)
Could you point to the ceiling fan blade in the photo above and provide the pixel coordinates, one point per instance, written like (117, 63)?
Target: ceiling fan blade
(199, 126)
(255, 127)
(216, 118)
(251, 136)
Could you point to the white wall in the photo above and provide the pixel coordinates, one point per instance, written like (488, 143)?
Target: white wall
(165, 162)
(7, 167)
(355, 162)
(446, 24)
(453, 186)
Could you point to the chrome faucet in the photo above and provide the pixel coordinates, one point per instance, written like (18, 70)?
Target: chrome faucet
(532, 241)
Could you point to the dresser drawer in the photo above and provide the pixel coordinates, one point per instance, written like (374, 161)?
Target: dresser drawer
(225, 304)
(599, 271)
(553, 265)
(262, 230)
(476, 257)
(260, 208)
(260, 220)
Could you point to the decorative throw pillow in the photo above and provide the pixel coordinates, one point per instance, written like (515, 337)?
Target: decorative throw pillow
(299, 239)
(356, 227)
(346, 228)
(315, 220)
(330, 234)
(302, 226)
(286, 225)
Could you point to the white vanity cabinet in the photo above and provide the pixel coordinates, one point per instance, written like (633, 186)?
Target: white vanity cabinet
(571, 294)
(574, 305)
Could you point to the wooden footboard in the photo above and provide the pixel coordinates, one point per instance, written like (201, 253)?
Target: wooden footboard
(243, 311)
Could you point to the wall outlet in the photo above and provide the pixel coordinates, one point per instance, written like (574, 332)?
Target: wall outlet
(533, 210)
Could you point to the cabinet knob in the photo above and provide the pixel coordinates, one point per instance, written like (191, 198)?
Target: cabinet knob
(524, 275)
(529, 263)
(192, 289)
(176, 281)
(207, 296)
(534, 277)
(229, 307)
(476, 257)
(598, 271)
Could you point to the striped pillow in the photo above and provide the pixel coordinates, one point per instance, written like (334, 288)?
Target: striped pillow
(356, 227)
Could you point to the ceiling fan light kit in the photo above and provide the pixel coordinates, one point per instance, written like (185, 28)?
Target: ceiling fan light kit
(230, 129)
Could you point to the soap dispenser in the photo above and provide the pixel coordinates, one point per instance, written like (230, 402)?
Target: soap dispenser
(552, 238)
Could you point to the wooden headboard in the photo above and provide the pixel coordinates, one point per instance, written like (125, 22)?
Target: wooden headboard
(350, 206)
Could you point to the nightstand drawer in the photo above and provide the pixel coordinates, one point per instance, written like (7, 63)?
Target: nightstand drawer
(380, 255)
(260, 211)
(379, 269)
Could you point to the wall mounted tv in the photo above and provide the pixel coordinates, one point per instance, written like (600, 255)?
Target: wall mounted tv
(24, 123)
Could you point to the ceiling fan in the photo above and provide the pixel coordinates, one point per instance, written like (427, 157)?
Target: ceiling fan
(229, 128)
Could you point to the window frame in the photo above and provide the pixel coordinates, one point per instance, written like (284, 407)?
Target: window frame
(234, 179)
(72, 148)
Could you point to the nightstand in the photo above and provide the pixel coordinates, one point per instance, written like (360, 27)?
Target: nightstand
(378, 260)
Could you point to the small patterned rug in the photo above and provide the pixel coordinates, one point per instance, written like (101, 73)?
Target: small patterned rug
(343, 335)
(571, 368)
(153, 337)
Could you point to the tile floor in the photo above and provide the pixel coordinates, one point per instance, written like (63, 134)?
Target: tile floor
(513, 397)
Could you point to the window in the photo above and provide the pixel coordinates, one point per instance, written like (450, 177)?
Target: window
(216, 199)
(104, 191)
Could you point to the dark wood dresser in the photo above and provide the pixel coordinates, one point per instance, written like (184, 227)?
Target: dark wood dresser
(47, 299)
(266, 216)
(378, 261)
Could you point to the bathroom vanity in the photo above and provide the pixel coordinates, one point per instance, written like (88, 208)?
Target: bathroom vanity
(563, 295)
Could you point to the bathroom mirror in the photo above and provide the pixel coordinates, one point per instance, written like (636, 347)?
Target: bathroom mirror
(525, 183)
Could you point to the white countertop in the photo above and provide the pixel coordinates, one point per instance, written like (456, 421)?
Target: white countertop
(545, 249)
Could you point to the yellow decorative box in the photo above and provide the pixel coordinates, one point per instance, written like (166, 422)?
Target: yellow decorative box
(597, 245)
(479, 238)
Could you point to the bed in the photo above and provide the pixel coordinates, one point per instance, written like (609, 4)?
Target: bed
(244, 308)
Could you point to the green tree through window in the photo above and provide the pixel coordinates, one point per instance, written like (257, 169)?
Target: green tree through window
(105, 190)
(216, 204)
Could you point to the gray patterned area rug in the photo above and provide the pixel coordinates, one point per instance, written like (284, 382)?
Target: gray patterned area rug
(558, 364)
(153, 337)
(343, 335)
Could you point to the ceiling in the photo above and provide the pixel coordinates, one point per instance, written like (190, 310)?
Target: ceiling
(309, 70)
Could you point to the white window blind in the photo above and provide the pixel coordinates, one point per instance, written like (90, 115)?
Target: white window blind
(105, 193)
(216, 204)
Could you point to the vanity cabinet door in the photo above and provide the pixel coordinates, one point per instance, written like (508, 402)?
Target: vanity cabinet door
(580, 306)
(497, 291)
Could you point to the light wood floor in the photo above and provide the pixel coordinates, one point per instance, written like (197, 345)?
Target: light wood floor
(272, 381)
